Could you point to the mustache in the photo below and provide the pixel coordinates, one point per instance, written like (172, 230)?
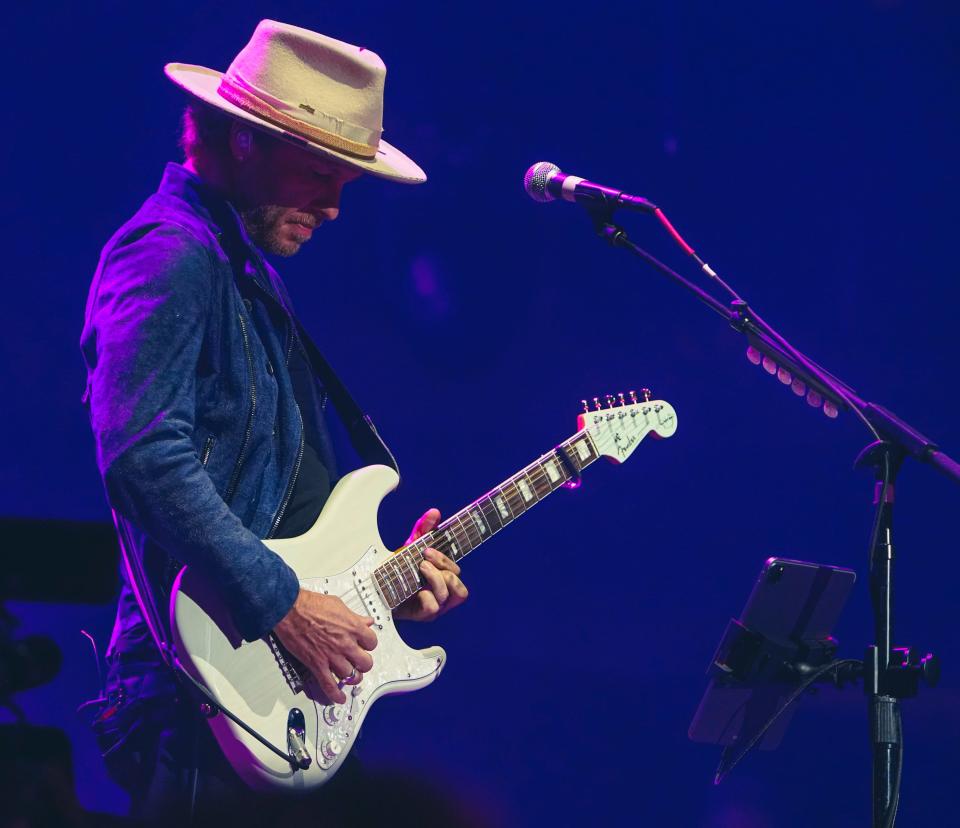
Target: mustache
(305, 219)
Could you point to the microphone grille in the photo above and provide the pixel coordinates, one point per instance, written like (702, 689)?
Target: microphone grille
(535, 181)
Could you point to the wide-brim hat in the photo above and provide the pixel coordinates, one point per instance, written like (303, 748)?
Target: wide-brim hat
(323, 94)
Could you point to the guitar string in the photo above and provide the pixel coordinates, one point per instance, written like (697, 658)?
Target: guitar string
(534, 473)
(470, 535)
(390, 575)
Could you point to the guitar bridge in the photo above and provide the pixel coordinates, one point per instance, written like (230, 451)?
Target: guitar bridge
(293, 671)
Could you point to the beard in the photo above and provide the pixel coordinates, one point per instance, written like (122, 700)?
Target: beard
(266, 226)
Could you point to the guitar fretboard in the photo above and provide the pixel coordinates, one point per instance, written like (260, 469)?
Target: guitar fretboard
(399, 577)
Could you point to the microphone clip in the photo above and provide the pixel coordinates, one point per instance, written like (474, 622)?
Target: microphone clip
(601, 215)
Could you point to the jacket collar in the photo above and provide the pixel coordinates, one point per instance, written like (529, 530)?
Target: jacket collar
(204, 201)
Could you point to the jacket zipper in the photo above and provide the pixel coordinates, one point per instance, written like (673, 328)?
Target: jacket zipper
(235, 477)
(291, 484)
(207, 448)
(290, 335)
(296, 468)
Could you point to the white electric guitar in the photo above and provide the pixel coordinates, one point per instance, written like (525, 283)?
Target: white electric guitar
(290, 736)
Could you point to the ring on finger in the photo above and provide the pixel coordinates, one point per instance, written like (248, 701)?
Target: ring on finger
(346, 679)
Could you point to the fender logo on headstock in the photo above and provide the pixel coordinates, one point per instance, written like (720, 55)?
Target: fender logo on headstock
(624, 449)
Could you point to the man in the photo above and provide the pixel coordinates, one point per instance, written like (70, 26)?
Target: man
(208, 418)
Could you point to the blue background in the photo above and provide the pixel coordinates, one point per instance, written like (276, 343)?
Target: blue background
(808, 151)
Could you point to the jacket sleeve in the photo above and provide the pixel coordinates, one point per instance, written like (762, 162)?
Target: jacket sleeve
(146, 319)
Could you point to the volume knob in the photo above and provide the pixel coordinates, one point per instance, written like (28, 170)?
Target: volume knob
(331, 748)
(331, 714)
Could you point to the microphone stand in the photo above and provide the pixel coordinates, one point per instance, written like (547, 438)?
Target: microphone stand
(890, 673)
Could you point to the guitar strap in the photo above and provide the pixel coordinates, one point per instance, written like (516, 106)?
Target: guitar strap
(363, 434)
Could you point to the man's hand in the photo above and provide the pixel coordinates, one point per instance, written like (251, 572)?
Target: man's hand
(332, 642)
(443, 589)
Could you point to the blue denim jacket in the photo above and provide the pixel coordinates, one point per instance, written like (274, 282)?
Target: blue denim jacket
(187, 336)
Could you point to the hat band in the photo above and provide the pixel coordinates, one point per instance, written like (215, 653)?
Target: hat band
(249, 102)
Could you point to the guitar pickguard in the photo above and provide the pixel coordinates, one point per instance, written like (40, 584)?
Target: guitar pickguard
(396, 667)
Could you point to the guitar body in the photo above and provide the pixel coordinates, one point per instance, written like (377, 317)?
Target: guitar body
(258, 683)
(342, 554)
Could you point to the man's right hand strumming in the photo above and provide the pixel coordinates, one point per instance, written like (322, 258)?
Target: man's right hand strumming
(329, 639)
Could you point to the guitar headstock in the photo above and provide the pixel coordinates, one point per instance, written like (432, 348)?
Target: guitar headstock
(618, 427)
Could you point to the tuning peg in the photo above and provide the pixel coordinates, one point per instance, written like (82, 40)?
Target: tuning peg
(586, 408)
(610, 400)
(596, 403)
(646, 394)
(633, 397)
(622, 400)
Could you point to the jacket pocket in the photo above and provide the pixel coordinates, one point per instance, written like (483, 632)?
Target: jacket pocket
(120, 729)
(127, 728)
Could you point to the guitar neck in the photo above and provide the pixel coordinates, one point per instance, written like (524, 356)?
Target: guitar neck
(399, 577)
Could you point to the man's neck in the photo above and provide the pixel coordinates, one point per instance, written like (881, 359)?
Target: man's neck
(213, 176)
(216, 178)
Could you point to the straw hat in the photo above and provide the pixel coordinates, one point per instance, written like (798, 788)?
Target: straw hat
(324, 94)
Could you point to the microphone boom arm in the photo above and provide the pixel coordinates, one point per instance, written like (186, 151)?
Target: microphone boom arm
(884, 423)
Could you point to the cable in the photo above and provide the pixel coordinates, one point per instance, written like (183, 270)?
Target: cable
(231, 716)
(780, 340)
(801, 688)
(96, 659)
(690, 252)
(194, 776)
(804, 363)
(891, 815)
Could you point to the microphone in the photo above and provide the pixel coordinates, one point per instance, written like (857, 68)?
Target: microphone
(545, 182)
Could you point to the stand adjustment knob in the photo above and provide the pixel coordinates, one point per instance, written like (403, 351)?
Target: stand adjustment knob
(930, 669)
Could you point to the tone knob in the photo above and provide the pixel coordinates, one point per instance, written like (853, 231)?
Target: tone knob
(331, 748)
(331, 714)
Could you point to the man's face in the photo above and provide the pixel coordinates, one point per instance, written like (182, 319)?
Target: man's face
(286, 192)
